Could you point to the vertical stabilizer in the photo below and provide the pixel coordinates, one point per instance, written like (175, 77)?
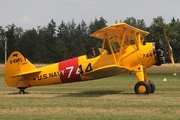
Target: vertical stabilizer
(15, 65)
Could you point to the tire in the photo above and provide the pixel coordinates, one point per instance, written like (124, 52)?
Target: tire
(21, 91)
(152, 85)
(142, 88)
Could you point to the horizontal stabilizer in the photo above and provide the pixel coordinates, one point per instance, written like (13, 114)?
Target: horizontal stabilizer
(26, 73)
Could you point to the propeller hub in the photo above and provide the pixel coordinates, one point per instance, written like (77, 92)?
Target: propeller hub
(160, 52)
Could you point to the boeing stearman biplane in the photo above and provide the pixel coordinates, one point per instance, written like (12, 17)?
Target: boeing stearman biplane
(126, 52)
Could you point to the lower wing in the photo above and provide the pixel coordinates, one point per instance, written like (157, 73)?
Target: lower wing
(106, 71)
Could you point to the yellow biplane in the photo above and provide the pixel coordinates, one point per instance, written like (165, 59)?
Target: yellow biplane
(123, 50)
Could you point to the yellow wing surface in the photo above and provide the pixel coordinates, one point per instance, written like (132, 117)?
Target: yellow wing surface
(116, 30)
(106, 71)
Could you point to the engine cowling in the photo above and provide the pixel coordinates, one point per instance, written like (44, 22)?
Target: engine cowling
(160, 52)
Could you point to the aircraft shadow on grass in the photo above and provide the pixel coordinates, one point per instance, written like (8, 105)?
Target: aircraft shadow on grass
(94, 93)
(14, 93)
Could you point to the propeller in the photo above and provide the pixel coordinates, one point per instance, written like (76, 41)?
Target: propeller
(170, 51)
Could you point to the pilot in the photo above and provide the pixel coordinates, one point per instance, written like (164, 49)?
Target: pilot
(92, 53)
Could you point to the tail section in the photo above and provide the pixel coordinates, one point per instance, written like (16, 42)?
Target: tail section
(16, 69)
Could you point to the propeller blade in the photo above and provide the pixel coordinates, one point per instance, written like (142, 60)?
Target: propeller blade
(170, 51)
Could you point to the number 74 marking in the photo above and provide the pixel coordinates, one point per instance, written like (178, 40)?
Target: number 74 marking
(70, 68)
(147, 55)
(79, 70)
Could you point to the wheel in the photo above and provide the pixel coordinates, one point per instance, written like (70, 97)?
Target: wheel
(142, 88)
(21, 91)
(152, 85)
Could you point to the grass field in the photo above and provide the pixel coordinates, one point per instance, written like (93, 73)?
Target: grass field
(110, 98)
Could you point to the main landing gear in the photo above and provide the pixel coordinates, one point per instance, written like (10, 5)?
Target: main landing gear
(143, 87)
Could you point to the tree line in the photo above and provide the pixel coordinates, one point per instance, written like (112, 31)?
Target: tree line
(53, 43)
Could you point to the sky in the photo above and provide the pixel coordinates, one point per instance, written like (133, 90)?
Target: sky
(29, 14)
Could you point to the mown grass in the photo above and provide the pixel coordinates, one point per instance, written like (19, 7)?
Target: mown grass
(105, 99)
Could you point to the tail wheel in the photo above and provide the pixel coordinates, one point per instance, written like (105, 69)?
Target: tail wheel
(152, 85)
(21, 90)
(142, 88)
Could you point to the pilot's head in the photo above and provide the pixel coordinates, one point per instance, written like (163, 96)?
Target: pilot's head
(92, 51)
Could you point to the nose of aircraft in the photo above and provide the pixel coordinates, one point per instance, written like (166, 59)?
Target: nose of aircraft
(160, 52)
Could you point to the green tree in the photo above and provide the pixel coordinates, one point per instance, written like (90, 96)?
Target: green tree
(10, 34)
(59, 51)
(94, 26)
(46, 39)
(2, 36)
(97, 25)
(173, 33)
(66, 33)
(29, 45)
(62, 40)
(44, 45)
(156, 29)
(82, 38)
(140, 23)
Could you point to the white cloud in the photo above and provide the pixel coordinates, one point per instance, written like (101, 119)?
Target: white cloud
(27, 19)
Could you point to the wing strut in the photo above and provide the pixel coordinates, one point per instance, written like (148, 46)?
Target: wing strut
(110, 46)
(104, 41)
(122, 41)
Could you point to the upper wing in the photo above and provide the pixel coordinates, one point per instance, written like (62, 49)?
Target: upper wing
(106, 71)
(110, 31)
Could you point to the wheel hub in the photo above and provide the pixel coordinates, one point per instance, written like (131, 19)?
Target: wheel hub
(142, 89)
